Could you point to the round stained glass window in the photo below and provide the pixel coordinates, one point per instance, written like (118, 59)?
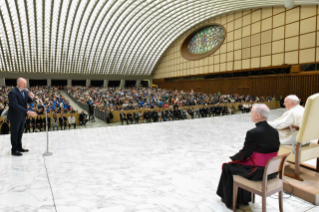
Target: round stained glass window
(203, 42)
(206, 40)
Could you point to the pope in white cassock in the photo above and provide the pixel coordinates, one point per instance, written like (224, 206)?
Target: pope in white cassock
(291, 117)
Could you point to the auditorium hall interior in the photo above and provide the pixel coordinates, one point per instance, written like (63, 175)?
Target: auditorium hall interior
(159, 105)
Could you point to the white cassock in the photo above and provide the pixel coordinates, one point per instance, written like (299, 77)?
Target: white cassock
(290, 117)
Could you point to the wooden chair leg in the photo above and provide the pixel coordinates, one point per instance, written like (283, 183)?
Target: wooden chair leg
(263, 203)
(297, 165)
(253, 198)
(235, 192)
(280, 201)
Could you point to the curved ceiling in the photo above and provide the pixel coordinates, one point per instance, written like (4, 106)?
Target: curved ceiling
(101, 36)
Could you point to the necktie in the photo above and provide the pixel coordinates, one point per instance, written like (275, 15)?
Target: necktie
(23, 94)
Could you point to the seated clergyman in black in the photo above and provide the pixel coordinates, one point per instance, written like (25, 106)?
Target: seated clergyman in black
(261, 142)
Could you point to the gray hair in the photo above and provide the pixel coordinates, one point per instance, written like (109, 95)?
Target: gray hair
(262, 109)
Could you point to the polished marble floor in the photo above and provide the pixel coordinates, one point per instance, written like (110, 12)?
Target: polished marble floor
(157, 167)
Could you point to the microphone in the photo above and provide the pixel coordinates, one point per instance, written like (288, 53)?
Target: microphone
(27, 90)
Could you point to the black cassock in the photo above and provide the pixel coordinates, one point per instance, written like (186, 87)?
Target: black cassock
(262, 139)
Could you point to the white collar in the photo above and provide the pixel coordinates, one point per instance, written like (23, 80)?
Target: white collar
(20, 89)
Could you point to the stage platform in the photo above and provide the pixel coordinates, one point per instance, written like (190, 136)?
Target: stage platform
(158, 167)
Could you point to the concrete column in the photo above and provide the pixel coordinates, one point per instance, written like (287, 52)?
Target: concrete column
(122, 83)
(28, 82)
(48, 82)
(69, 82)
(88, 82)
(138, 83)
(105, 83)
(2, 81)
(150, 82)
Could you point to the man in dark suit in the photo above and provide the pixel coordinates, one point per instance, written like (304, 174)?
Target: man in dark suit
(18, 99)
(62, 121)
(123, 117)
(83, 118)
(129, 117)
(136, 116)
(155, 115)
(261, 144)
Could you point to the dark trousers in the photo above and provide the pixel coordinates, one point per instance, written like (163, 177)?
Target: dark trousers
(63, 124)
(44, 127)
(16, 130)
(73, 125)
(225, 189)
(27, 128)
(137, 120)
(83, 122)
(91, 114)
(124, 120)
(131, 120)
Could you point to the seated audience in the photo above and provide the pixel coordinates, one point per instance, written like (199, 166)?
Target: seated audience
(225, 110)
(123, 117)
(5, 126)
(109, 116)
(129, 117)
(146, 116)
(246, 107)
(27, 124)
(261, 144)
(39, 123)
(62, 121)
(190, 111)
(155, 116)
(233, 109)
(72, 121)
(136, 117)
(55, 122)
(83, 118)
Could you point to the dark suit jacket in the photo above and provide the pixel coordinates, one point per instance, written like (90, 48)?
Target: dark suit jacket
(18, 105)
(262, 139)
(62, 119)
(122, 116)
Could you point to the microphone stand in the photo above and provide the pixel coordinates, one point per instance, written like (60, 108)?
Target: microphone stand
(47, 153)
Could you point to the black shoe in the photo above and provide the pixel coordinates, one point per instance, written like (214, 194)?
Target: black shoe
(23, 150)
(16, 153)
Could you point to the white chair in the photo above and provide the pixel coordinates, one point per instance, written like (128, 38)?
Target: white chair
(266, 187)
(308, 130)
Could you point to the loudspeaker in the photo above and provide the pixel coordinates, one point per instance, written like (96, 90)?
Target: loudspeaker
(289, 3)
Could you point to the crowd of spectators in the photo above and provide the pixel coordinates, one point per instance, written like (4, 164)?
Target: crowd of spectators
(45, 96)
(142, 98)
(157, 104)
(153, 101)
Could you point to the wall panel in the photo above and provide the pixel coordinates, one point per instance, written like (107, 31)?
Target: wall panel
(274, 35)
(303, 85)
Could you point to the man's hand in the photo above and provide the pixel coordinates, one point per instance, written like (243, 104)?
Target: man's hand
(31, 95)
(32, 113)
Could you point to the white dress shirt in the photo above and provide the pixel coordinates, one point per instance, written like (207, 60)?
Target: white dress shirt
(71, 120)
